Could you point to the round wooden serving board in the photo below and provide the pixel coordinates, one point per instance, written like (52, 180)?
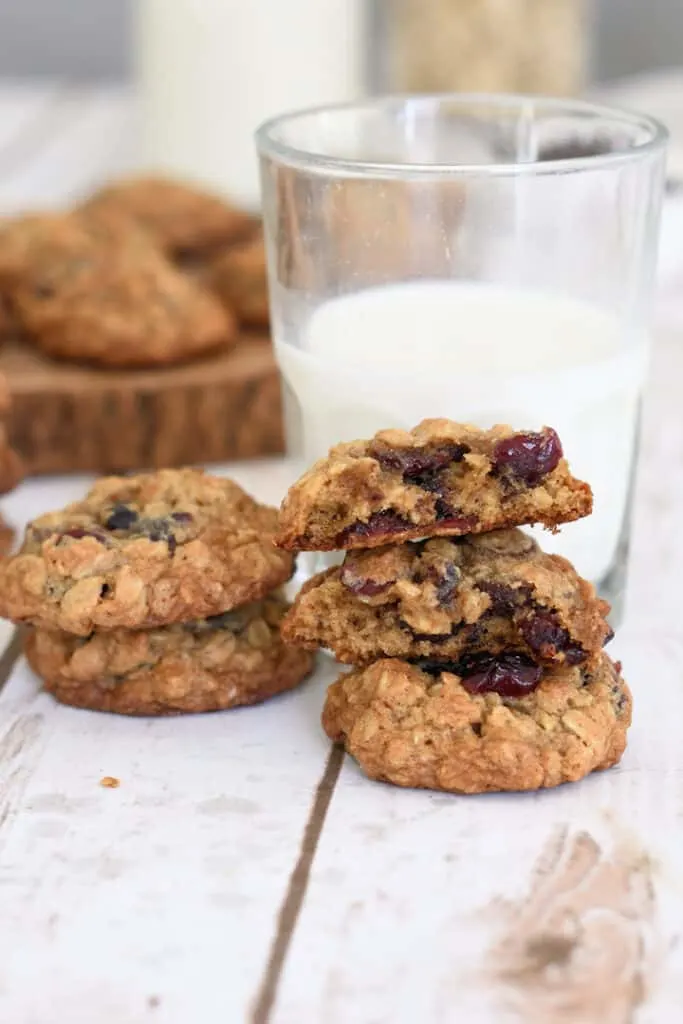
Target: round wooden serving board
(67, 418)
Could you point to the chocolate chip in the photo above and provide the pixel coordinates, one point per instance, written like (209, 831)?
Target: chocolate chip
(121, 518)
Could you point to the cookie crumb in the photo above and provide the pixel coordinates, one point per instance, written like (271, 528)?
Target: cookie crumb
(109, 782)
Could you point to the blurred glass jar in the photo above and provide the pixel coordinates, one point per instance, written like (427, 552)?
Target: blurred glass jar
(528, 46)
(209, 71)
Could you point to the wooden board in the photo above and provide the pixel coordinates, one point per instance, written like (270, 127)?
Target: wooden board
(68, 418)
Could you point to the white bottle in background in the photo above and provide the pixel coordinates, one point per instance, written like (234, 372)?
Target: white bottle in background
(482, 354)
(209, 71)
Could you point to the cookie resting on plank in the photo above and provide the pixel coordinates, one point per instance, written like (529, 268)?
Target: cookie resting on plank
(440, 479)
(485, 724)
(182, 220)
(238, 277)
(144, 551)
(443, 597)
(208, 665)
(87, 288)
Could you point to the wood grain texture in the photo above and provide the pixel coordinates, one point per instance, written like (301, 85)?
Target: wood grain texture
(160, 894)
(67, 418)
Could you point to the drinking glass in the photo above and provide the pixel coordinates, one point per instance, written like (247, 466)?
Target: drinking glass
(489, 259)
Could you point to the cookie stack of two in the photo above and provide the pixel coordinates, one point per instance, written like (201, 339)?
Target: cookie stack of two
(155, 594)
(478, 661)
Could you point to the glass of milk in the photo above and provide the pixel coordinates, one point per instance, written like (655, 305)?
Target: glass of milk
(489, 259)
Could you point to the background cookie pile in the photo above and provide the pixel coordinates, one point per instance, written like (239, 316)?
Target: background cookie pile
(478, 661)
(155, 594)
(147, 272)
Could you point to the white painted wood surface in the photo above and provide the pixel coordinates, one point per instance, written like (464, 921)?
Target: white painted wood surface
(211, 887)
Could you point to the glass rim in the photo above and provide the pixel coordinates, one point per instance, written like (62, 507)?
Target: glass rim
(315, 161)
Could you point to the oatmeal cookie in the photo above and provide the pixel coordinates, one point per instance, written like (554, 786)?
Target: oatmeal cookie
(443, 597)
(88, 289)
(481, 725)
(182, 220)
(440, 479)
(144, 551)
(206, 665)
(238, 277)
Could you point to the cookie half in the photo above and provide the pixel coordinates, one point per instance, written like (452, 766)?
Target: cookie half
(482, 726)
(208, 665)
(440, 479)
(144, 551)
(443, 597)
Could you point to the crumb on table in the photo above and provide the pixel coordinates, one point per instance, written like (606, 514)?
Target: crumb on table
(109, 782)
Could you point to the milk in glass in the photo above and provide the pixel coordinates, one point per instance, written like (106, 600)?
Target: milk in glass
(483, 354)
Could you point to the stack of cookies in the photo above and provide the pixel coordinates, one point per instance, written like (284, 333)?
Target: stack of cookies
(478, 661)
(155, 594)
(147, 272)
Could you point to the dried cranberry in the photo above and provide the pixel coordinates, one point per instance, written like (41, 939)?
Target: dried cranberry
(508, 674)
(414, 462)
(504, 599)
(528, 457)
(181, 517)
(379, 524)
(548, 638)
(447, 517)
(574, 654)
(121, 518)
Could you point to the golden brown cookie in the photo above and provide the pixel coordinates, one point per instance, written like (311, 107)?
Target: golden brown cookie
(89, 289)
(440, 479)
(447, 728)
(144, 551)
(238, 277)
(208, 665)
(182, 219)
(444, 597)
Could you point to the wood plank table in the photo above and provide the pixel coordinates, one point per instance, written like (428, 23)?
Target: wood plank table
(246, 871)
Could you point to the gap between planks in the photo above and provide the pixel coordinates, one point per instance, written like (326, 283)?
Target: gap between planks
(296, 889)
(10, 656)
